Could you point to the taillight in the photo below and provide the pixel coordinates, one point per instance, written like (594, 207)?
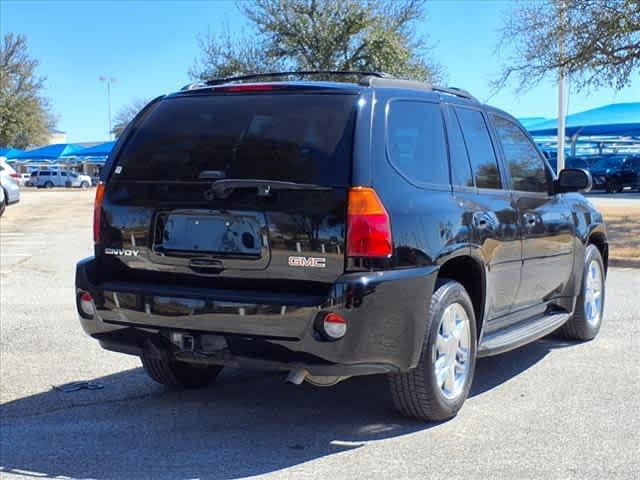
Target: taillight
(250, 87)
(97, 211)
(368, 225)
(15, 176)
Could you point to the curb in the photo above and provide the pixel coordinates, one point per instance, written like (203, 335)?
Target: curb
(624, 262)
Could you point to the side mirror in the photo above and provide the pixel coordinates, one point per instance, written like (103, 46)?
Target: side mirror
(574, 180)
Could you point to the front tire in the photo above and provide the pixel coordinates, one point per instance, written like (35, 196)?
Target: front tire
(84, 185)
(174, 374)
(3, 205)
(587, 318)
(436, 389)
(48, 185)
(613, 185)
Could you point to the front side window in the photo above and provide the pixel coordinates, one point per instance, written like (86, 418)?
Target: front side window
(483, 158)
(525, 167)
(416, 142)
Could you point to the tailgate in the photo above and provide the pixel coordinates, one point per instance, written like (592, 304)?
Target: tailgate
(284, 161)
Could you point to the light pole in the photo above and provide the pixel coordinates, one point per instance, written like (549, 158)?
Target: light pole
(561, 87)
(109, 81)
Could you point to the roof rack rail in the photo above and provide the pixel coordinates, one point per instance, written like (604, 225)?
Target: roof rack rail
(303, 73)
(192, 86)
(458, 92)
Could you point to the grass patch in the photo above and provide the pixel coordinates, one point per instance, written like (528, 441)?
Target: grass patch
(623, 226)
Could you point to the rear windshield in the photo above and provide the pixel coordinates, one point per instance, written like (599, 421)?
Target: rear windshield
(294, 137)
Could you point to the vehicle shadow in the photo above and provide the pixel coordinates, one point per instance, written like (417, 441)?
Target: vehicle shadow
(249, 423)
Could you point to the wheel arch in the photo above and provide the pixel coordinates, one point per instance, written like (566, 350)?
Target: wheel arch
(470, 273)
(599, 239)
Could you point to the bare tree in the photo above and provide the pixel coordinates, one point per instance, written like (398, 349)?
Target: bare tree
(600, 38)
(126, 114)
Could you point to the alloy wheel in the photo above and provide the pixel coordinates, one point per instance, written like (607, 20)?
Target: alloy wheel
(593, 293)
(451, 366)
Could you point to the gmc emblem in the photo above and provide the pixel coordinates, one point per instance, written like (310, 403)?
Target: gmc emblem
(315, 262)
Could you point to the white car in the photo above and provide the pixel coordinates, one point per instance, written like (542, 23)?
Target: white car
(24, 179)
(59, 178)
(8, 185)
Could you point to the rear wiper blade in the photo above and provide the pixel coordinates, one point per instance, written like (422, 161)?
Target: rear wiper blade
(224, 188)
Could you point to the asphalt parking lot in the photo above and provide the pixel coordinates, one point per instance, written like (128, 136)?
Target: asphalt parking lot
(548, 410)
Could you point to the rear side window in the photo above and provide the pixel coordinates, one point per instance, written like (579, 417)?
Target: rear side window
(460, 167)
(525, 167)
(416, 142)
(481, 153)
(45, 174)
(293, 137)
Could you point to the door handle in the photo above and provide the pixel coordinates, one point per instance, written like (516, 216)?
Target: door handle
(529, 219)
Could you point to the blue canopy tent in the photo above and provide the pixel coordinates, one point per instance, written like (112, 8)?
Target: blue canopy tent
(100, 150)
(616, 119)
(49, 155)
(93, 158)
(528, 122)
(10, 153)
(49, 152)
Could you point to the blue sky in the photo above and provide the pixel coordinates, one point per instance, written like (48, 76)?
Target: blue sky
(148, 46)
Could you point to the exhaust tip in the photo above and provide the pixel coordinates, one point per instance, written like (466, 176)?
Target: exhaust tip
(296, 376)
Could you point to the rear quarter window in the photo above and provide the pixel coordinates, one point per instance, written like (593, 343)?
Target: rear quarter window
(416, 142)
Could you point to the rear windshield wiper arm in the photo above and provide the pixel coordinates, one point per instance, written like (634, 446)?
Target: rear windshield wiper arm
(224, 188)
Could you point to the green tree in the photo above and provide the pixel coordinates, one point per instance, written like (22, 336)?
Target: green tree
(126, 114)
(595, 42)
(25, 117)
(366, 35)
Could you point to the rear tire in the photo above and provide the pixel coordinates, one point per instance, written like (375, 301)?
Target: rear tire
(419, 393)
(587, 319)
(174, 374)
(84, 185)
(3, 205)
(48, 185)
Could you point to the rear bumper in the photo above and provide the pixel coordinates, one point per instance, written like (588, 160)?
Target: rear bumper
(386, 315)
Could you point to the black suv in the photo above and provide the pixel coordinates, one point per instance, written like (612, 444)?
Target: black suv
(331, 229)
(615, 172)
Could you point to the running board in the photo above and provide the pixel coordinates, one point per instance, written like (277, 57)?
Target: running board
(520, 334)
